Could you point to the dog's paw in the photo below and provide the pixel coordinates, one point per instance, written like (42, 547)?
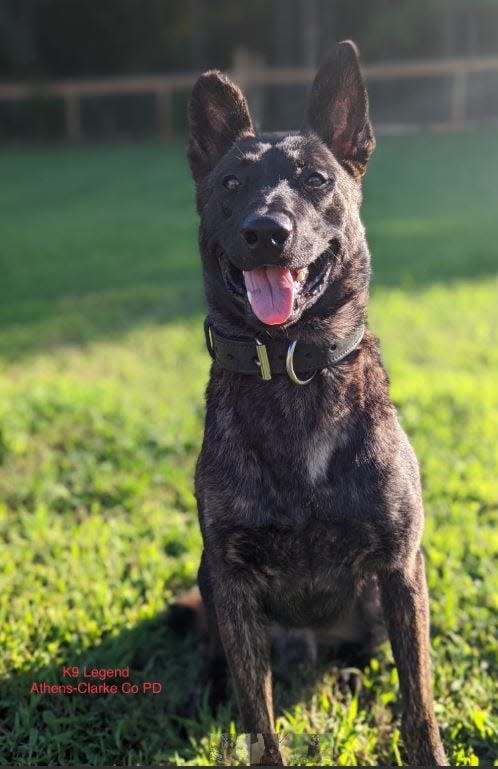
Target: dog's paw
(270, 758)
(264, 750)
(349, 680)
(423, 743)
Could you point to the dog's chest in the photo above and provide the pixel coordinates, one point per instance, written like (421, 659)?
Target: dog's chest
(318, 449)
(304, 574)
(285, 445)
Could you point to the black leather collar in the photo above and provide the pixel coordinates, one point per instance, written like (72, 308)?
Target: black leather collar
(298, 360)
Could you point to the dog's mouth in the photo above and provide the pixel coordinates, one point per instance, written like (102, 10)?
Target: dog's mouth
(277, 295)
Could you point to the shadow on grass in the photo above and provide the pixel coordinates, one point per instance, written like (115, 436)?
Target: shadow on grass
(104, 729)
(37, 326)
(144, 728)
(147, 728)
(100, 240)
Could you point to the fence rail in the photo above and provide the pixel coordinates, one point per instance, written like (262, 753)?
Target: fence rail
(248, 72)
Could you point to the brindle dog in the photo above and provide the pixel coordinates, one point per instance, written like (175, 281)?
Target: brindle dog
(309, 494)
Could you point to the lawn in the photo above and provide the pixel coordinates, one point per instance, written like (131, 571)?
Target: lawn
(102, 372)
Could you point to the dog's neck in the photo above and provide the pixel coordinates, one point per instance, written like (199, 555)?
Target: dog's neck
(347, 316)
(266, 358)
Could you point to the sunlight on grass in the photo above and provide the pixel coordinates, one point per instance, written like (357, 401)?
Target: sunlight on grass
(101, 406)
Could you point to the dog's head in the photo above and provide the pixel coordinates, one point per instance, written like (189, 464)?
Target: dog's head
(281, 238)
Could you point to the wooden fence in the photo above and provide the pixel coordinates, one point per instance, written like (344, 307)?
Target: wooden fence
(248, 72)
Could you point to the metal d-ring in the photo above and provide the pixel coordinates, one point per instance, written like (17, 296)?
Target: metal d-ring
(289, 365)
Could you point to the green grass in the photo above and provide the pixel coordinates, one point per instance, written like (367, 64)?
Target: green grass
(102, 371)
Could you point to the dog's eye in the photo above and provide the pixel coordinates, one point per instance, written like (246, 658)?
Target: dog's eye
(315, 180)
(231, 182)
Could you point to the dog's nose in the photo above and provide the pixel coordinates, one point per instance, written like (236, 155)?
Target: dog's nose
(266, 232)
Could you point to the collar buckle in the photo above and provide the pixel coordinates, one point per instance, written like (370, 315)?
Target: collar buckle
(263, 361)
(289, 365)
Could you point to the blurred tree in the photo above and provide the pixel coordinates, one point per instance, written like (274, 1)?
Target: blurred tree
(327, 28)
(198, 34)
(283, 22)
(98, 37)
(309, 27)
(448, 30)
(17, 36)
(278, 105)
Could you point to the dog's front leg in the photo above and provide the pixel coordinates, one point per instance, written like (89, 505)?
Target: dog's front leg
(245, 636)
(405, 602)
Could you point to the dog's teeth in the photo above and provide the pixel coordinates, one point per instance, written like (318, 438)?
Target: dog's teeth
(301, 275)
(249, 295)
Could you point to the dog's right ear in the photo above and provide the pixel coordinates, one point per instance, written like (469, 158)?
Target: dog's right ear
(218, 116)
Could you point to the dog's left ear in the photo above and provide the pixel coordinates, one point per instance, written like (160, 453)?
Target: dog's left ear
(218, 116)
(338, 109)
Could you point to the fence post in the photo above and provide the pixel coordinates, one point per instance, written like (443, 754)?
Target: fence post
(246, 68)
(459, 97)
(72, 114)
(165, 114)
(241, 66)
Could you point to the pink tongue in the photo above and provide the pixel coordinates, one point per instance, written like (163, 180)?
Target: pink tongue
(271, 294)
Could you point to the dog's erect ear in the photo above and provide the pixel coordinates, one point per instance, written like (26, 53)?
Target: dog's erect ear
(218, 116)
(338, 109)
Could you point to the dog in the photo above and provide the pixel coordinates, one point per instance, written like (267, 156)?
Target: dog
(308, 490)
